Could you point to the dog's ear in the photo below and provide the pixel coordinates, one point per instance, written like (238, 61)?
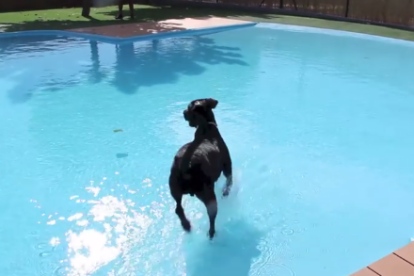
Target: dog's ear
(197, 105)
(211, 103)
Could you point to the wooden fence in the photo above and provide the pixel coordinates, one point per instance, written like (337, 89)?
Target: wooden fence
(393, 12)
(20, 5)
(389, 12)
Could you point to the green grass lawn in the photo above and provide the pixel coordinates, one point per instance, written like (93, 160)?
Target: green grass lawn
(71, 18)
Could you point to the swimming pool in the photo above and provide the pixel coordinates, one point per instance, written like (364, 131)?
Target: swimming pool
(324, 187)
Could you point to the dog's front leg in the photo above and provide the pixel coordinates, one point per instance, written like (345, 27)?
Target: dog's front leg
(228, 173)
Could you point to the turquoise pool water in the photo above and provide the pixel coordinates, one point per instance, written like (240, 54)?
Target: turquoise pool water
(319, 125)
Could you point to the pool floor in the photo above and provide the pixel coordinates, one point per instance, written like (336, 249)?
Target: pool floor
(319, 126)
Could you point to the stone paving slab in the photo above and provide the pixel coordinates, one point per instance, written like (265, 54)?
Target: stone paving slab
(170, 25)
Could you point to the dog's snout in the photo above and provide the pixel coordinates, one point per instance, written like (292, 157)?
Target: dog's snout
(185, 114)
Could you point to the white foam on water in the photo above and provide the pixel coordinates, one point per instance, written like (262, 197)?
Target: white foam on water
(91, 248)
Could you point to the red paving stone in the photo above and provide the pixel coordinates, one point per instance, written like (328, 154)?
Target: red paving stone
(365, 272)
(398, 263)
(406, 253)
(392, 265)
(170, 25)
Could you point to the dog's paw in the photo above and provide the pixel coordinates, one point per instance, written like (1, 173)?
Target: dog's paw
(211, 234)
(186, 225)
(226, 192)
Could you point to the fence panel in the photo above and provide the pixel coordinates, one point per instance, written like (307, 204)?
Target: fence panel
(244, 3)
(205, 1)
(20, 5)
(398, 12)
(274, 4)
(326, 7)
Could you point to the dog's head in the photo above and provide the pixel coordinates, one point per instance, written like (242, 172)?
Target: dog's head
(200, 112)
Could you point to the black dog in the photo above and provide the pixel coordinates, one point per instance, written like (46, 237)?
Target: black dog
(198, 164)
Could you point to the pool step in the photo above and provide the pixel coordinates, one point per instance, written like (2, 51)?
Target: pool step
(398, 263)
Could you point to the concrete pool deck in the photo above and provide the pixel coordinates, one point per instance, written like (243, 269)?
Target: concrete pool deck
(157, 27)
(398, 263)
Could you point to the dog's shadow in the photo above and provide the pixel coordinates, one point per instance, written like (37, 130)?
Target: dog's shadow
(230, 253)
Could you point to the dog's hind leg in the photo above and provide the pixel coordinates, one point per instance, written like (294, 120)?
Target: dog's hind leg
(177, 194)
(179, 210)
(208, 197)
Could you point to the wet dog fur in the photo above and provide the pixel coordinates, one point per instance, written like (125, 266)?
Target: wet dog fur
(198, 164)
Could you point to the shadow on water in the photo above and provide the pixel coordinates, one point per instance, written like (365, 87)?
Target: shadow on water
(22, 65)
(136, 65)
(163, 61)
(231, 253)
(95, 72)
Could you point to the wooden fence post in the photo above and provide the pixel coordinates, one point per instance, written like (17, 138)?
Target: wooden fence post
(347, 8)
(295, 5)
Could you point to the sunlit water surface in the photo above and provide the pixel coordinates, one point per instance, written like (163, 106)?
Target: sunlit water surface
(320, 129)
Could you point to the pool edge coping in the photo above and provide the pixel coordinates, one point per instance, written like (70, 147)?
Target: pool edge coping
(121, 40)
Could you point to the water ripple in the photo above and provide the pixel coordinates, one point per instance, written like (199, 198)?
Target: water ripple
(287, 231)
(60, 271)
(271, 269)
